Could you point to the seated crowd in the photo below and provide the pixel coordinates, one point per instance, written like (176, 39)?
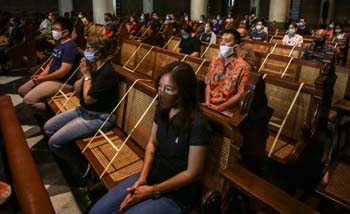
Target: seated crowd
(176, 150)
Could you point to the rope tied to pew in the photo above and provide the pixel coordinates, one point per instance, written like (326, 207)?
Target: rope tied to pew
(167, 43)
(281, 126)
(291, 52)
(41, 68)
(206, 50)
(132, 55)
(141, 61)
(286, 68)
(267, 57)
(129, 135)
(64, 84)
(112, 112)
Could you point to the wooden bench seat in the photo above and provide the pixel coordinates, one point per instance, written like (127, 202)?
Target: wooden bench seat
(334, 186)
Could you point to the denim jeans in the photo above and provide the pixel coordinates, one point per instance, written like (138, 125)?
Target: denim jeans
(65, 128)
(110, 203)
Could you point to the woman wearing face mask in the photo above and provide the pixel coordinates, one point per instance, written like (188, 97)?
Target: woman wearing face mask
(330, 30)
(97, 92)
(291, 38)
(189, 44)
(338, 32)
(227, 75)
(208, 36)
(174, 156)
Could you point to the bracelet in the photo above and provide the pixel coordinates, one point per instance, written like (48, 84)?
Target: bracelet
(87, 78)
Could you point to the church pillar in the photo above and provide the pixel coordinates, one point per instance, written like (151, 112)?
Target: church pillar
(100, 7)
(147, 6)
(198, 7)
(65, 6)
(278, 10)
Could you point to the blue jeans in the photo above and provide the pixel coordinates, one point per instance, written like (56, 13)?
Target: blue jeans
(110, 203)
(65, 128)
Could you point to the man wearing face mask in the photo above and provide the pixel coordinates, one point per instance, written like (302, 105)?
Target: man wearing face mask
(319, 50)
(208, 36)
(58, 70)
(227, 75)
(303, 29)
(258, 33)
(110, 26)
(189, 44)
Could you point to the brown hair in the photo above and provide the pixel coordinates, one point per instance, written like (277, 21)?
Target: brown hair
(101, 43)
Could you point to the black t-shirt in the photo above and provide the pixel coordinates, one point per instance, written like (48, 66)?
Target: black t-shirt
(205, 37)
(304, 31)
(104, 88)
(172, 154)
(188, 46)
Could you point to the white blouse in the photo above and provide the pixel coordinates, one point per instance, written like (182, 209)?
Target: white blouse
(296, 40)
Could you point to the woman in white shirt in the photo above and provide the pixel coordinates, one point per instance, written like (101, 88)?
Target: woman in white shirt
(291, 38)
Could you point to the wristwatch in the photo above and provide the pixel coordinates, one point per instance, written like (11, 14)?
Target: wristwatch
(156, 192)
(87, 78)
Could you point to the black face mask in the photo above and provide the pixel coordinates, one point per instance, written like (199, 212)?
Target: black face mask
(106, 19)
(167, 101)
(12, 24)
(319, 42)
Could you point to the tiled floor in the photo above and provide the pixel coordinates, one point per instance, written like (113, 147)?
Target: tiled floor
(61, 193)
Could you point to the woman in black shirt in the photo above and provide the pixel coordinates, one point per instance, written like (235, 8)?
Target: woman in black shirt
(175, 153)
(97, 91)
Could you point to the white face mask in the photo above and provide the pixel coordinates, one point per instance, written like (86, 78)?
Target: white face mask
(225, 51)
(258, 27)
(80, 16)
(56, 35)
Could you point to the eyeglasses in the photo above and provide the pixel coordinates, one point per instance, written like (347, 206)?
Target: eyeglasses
(90, 47)
(167, 90)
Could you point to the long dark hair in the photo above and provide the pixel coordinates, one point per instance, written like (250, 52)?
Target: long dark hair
(185, 79)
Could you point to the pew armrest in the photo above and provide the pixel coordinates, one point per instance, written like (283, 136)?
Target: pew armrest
(30, 190)
(255, 187)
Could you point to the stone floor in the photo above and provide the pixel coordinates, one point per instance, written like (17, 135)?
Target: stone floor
(65, 197)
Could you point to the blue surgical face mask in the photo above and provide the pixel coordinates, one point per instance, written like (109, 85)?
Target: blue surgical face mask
(56, 35)
(185, 36)
(207, 29)
(90, 56)
(291, 31)
(331, 26)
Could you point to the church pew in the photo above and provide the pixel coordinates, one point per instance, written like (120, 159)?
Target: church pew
(222, 118)
(226, 129)
(333, 189)
(30, 191)
(294, 69)
(248, 184)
